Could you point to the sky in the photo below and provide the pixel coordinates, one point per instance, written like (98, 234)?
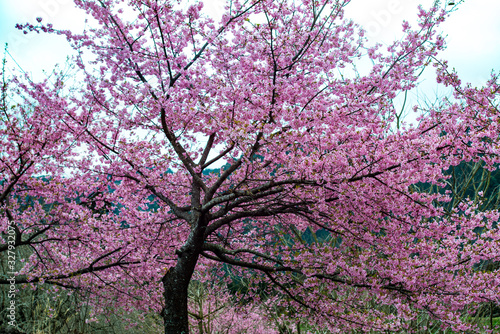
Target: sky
(473, 31)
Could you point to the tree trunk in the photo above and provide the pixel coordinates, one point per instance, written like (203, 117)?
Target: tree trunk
(176, 282)
(175, 313)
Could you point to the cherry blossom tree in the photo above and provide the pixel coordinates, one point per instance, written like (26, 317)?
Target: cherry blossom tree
(37, 204)
(198, 145)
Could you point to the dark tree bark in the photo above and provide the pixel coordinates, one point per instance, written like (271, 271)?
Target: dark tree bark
(176, 281)
(175, 312)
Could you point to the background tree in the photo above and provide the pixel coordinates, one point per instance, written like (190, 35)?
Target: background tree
(240, 133)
